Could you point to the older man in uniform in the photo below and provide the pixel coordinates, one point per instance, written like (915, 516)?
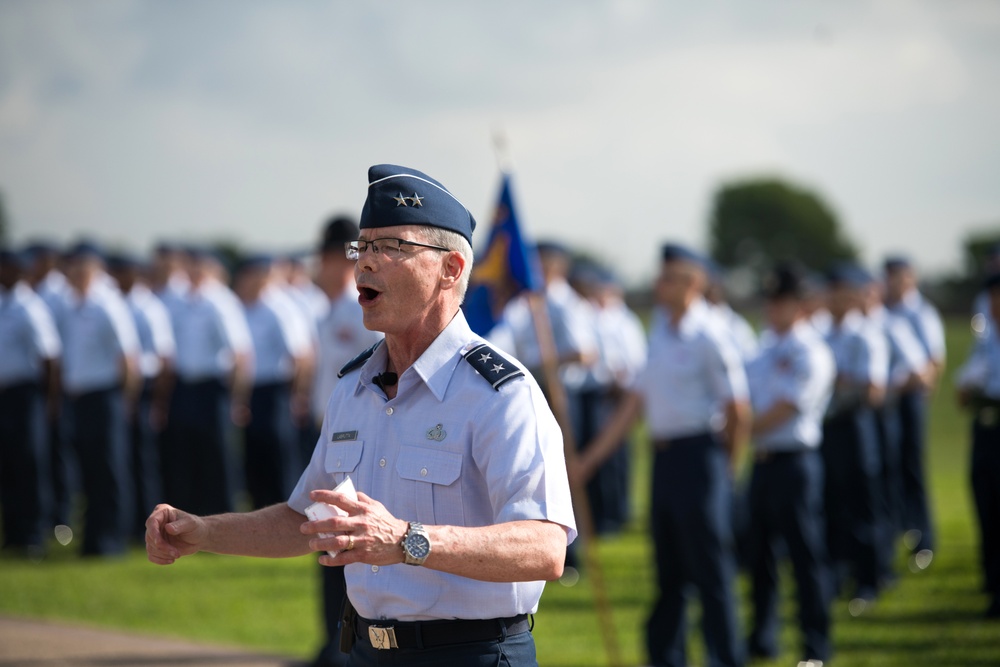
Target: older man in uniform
(100, 377)
(694, 391)
(463, 507)
(29, 353)
(979, 390)
(791, 381)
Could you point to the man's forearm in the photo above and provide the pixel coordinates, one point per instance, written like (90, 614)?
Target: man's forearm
(514, 551)
(270, 532)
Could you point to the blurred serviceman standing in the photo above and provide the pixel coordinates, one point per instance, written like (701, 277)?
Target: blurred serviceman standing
(790, 385)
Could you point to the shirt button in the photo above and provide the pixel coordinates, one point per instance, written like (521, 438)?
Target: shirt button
(381, 463)
(423, 472)
(388, 411)
(340, 462)
(375, 568)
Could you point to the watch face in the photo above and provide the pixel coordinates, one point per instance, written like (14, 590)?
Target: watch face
(418, 546)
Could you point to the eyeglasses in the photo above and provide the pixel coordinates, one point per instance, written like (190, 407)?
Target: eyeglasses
(389, 247)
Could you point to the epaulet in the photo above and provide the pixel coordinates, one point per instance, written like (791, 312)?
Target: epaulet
(492, 365)
(358, 361)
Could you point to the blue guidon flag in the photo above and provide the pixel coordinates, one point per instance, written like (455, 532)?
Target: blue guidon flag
(506, 267)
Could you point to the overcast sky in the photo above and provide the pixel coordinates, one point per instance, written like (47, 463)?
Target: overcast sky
(252, 121)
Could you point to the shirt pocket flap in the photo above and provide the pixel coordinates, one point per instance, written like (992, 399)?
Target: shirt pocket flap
(429, 465)
(343, 456)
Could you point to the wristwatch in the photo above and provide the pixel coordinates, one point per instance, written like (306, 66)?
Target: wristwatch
(416, 544)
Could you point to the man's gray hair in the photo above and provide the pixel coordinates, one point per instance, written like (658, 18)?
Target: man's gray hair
(453, 241)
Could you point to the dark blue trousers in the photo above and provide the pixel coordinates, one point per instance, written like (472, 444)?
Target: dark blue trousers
(65, 470)
(514, 651)
(97, 431)
(25, 488)
(913, 437)
(853, 511)
(608, 489)
(199, 461)
(986, 492)
(334, 596)
(786, 503)
(695, 549)
(272, 464)
(146, 475)
(891, 488)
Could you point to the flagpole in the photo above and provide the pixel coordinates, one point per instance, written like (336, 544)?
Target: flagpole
(559, 403)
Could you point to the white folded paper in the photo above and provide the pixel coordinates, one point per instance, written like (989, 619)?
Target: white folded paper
(319, 511)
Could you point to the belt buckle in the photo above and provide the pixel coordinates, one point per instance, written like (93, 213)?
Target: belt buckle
(382, 638)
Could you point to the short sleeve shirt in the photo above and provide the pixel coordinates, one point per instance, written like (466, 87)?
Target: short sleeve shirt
(448, 449)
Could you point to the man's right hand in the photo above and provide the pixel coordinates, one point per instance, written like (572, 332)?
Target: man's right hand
(171, 533)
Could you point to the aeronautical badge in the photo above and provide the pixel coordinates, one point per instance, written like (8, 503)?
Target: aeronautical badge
(437, 433)
(491, 365)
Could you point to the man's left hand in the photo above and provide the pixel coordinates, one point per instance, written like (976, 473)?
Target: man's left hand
(369, 534)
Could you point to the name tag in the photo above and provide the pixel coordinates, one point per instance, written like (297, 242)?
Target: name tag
(344, 435)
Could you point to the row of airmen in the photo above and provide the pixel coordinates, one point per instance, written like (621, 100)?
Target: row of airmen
(833, 399)
(133, 384)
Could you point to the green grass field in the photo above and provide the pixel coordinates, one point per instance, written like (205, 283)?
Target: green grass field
(930, 618)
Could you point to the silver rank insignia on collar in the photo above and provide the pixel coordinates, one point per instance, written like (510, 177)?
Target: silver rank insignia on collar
(437, 433)
(415, 200)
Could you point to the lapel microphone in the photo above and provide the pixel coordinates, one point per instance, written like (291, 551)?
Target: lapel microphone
(384, 380)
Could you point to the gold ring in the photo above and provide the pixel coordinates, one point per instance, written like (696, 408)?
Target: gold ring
(350, 543)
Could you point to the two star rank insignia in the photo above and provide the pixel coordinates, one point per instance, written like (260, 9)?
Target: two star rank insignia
(415, 200)
(491, 365)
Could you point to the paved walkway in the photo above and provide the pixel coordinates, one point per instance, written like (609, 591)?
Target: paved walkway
(27, 643)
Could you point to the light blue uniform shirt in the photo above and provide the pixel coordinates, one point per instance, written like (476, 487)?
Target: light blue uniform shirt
(691, 373)
(27, 335)
(448, 449)
(152, 324)
(982, 369)
(906, 353)
(739, 330)
(796, 367)
(97, 332)
(209, 329)
(280, 334)
(926, 323)
(861, 354)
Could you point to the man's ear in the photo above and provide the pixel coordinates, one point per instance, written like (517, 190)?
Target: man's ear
(452, 269)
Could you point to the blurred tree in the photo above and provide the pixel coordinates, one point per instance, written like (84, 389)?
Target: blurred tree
(976, 246)
(756, 222)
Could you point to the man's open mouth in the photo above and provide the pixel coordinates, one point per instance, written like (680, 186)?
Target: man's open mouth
(367, 295)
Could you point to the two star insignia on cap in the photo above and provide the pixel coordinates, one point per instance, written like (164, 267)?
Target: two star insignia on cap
(415, 200)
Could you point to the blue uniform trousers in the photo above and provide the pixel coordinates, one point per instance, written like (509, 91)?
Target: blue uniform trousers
(513, 651)
(272, 464)
(854, 534)
(199, 462)
(913, 436)
(65, 471)
(24, 466)
(97, 431)
(695, 549)
(891, 487)
(786, 503)
(608, 489)
(146, 475)
(334, 595)
(985, 475)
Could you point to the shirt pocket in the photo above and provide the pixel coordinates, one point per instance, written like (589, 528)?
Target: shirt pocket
(429, 485)
(342, 458)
